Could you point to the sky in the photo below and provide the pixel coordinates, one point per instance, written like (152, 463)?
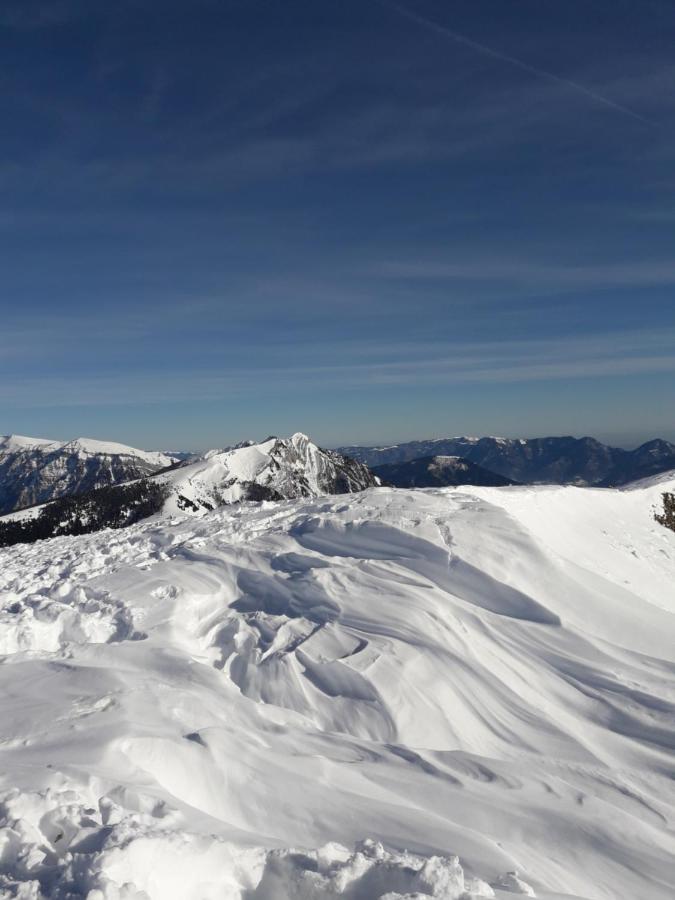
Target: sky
(371, 221)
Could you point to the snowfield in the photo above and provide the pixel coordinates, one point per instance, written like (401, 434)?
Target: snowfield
(456, 693)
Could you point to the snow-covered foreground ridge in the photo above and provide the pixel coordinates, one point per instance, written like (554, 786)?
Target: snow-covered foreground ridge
(189, 706)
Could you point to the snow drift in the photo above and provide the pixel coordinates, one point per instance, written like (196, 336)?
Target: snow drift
(451, 693)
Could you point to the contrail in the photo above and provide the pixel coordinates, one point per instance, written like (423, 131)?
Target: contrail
(504, 57)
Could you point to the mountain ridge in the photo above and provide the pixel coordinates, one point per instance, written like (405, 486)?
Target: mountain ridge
(555, 460)
(276, 469)
(439, 471)
(35, 470)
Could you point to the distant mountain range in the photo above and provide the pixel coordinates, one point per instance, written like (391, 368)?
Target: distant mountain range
(438, 471)
(557, 460)
(53, 489)
(34, 470)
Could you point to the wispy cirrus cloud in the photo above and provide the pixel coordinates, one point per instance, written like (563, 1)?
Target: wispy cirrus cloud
(354, 365)
(192, 207)
(641, 273)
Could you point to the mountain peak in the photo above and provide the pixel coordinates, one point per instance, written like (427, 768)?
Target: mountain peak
(655, 445)
(35, 470)
(93, 447)
(300, 438)
(275, 469)
(13, 442)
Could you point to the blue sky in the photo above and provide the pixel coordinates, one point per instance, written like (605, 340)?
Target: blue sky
(366, 220)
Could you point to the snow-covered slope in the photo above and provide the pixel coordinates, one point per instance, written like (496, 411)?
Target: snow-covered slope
(11, 443)
(485, 672)
(33, 470)
(278, 468)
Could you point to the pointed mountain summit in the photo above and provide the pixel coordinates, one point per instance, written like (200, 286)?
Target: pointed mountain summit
(276, 469)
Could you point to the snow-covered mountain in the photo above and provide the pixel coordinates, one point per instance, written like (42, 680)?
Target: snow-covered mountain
(438, 471)
(554, 460)
(328, 698)
(34, 470)
(276, 469)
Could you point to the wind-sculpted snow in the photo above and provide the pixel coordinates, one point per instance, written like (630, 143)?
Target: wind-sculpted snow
(393, 694)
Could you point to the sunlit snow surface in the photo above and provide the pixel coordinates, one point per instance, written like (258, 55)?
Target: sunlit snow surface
(333, 698)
